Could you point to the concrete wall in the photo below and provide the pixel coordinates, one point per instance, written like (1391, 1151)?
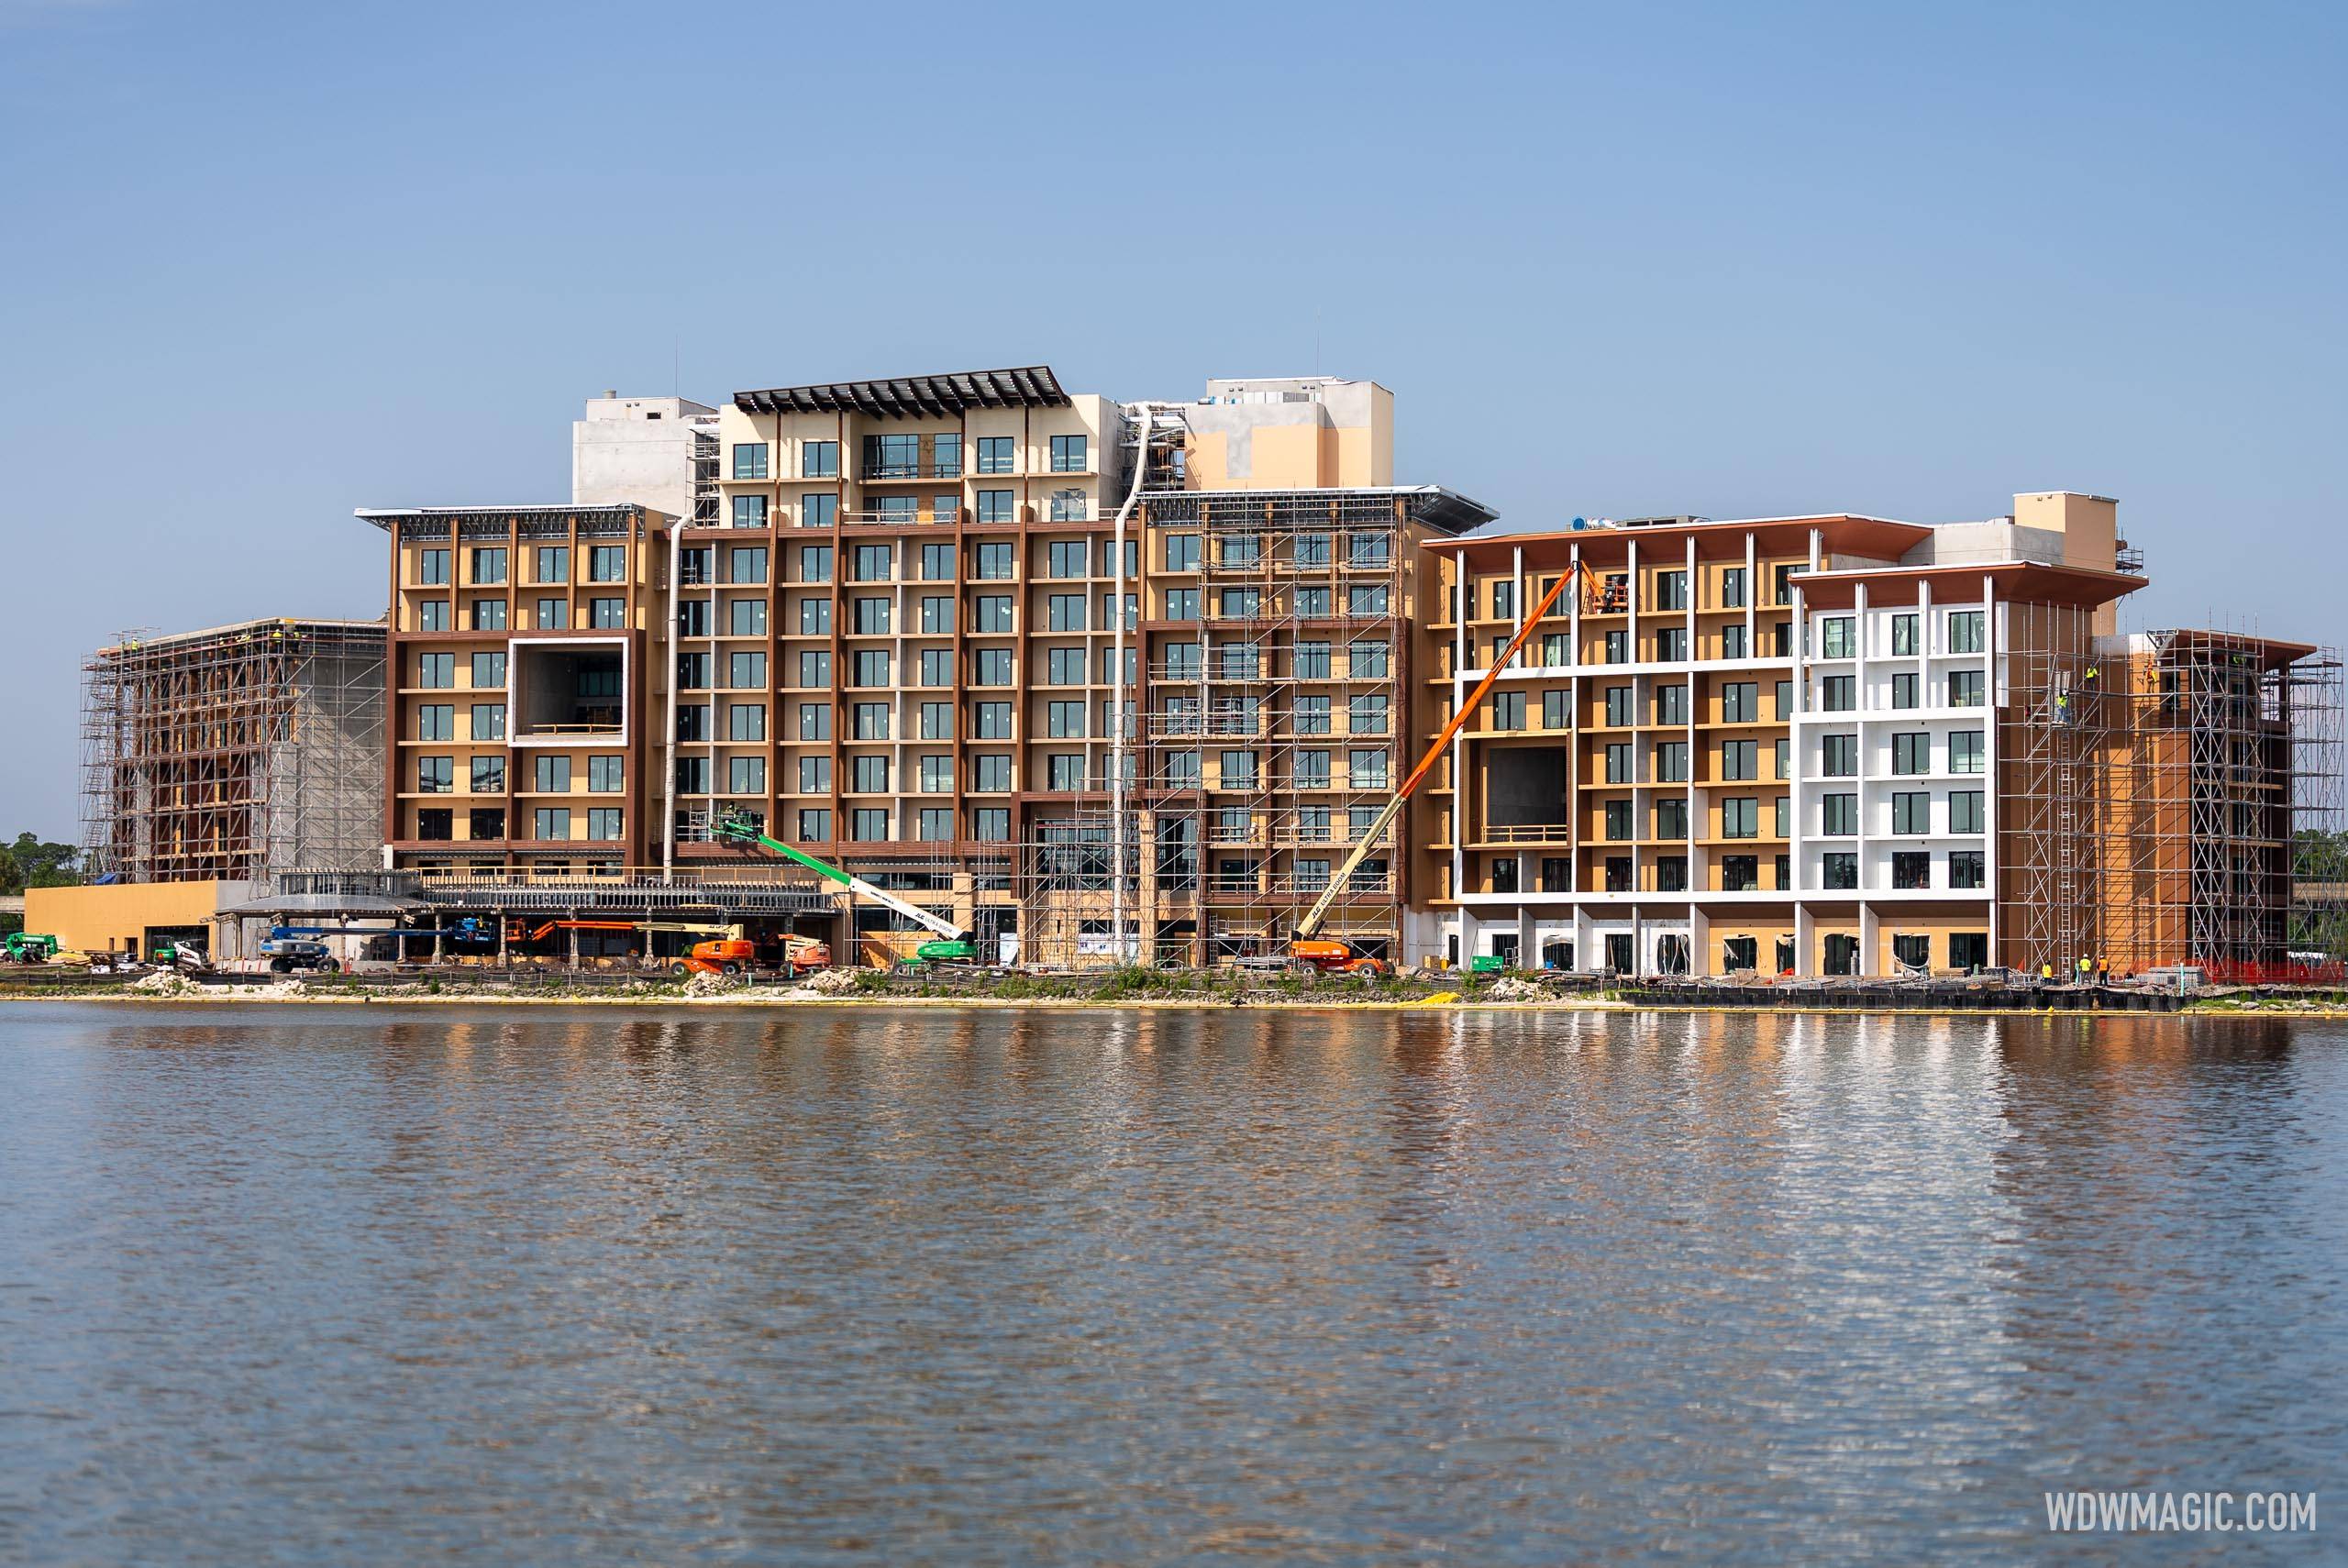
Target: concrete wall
(1292, 433)
(636, 448)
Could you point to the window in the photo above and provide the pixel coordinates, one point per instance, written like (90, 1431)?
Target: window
(1842, 871)
(1671, 644)
(1312, 770)
(1065, 720)
(994, 454)
(1505, 598)
(868, 825)
(1903, 689)
(869, 614)
(1370, 549)
(1671, 704)
(749, 460)
(816, 668)
(554, 614)
(692, 670)
(1311, 549)
(1915, 952)
(749, 512)
(746, 721)
(1734, 641)
(1312, 662)
(1966, 868)
(814, 825)
(1965, 630)
(1064, 771)
(1064, 613)
(693, 721)
(1312, 715)
(608, 775)
(746, 671)
(1964, 811)
(694, 618)
(1619, 823)
(435, 721)
(1739, 873)
(1366, 769)
(1064, 667)
(488, 671)
(869, 775)
(1966, 949)
(872, 667)
(1838, 693)
(992, 720)
(1618, 706)
(1508, 710)
(1912, 753)
(815, 774)
(1671, 762)
(432, 567)
(435, 670)
(1741, 703)
(819, 460)
(1903, 635)
(1068, 558)
(1965, 688)
(1314, 603)
(1840, 816)
(489, 614)
(1556, 714)
(990, 666)
(1364, 660)
(489, 563)
(1782, 701)
(1733, 588)
(1619, 763)
(1368, 715)
(815, 721)
(746, 775)
(995, 505)
(488, 776)
(1965, 751)
(1068, 455)
(1670, 590)
(1783, 573)
(1671, 819)
(602, 822)
(1741, 817)
(1838, 637)
(936, 667)
(815, 617)
(936, 775)
(1911, 868)
(747, 618)
(873, 563)
(1841, 756)
(1181, 552)
(814, 563)
(436, 775)
(489, 721)
(552, 822)
(819, 509)
(607, 563)
(607, 614)
(1740, 760)
(1366, 600)
(551, 775)
(1911, 811)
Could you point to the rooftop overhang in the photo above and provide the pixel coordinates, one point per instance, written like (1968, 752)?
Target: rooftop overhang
(915, 397)
(1839, 534)
(2030, 582)
(390, 518)
(2267, 652)
(1446, 511)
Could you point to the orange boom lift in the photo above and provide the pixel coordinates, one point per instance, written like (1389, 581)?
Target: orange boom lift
(1339, 957)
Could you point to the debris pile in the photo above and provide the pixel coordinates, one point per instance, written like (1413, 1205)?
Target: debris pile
(165, 983)
(1512, 988)
(830, 982)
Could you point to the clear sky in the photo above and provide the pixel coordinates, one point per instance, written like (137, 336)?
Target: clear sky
(262, 264)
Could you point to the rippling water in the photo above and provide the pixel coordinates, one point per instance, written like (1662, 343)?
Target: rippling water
(328, 1285)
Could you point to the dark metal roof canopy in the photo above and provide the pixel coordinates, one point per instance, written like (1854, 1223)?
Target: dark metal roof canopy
(913, 397)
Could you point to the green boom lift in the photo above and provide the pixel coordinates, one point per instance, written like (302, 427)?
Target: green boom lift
(956, 946)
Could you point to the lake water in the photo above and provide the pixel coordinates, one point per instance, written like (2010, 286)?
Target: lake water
(333, 1285)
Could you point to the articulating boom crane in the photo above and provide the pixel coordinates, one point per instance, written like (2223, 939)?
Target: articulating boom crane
(1325, 953)
(957, 945)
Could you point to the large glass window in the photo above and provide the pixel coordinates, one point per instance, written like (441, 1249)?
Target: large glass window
(1912, 753)
(1911, 811)
(1069, 454)
(995, 453)
(1965, 630)
(1839, 815)
(607, 563)
(750, 459)
(1965, 751)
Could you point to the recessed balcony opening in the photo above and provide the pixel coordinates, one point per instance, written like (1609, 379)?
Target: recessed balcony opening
(568, 691)
(1526, 793)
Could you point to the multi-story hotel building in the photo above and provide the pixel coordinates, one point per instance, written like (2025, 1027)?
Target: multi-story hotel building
(899, 631)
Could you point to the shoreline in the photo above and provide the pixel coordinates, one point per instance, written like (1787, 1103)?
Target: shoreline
(1440, 1002)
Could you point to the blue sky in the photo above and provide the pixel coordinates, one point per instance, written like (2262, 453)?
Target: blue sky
(263, 264)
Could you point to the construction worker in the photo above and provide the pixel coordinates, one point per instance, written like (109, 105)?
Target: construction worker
(2046, 972)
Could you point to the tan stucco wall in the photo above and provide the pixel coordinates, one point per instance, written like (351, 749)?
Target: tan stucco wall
(90, 919)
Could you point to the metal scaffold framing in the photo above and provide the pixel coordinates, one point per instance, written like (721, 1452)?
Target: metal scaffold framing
(228, 753)
(2161, 791)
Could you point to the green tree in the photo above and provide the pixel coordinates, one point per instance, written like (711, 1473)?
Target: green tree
(33, 862)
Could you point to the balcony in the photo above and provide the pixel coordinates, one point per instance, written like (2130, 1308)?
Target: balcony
(913, 469)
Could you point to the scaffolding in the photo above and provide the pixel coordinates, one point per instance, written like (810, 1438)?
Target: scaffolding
(227, 753)
(2158, 793)
(1275, 693)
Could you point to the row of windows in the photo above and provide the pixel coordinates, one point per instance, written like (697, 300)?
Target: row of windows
(1669, 591)
(492, 615)
(1968, 632)
(550, 775)
(1911, 752)
(1911, 813)
(1361, 601)
(1186, 552)
(821, 509)
(924, 455)
(550, 563)
(1911, 869)
(990, 561)
(1962, 688)
(548, 823)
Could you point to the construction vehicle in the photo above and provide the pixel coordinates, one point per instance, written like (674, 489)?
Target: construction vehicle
(1329, 955)
(30, 947)
(287, 954)
(732, 956)
(954, 944)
